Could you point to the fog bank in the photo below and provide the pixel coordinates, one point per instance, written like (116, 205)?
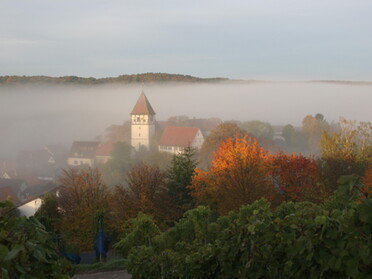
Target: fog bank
(32, 116)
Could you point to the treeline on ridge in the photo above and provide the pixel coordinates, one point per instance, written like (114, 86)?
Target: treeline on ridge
(135, 78)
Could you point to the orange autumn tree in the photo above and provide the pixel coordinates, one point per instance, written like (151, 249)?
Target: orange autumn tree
(296, 178)
(240, 173)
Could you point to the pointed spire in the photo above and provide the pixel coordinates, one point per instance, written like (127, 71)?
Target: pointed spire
(143, 106)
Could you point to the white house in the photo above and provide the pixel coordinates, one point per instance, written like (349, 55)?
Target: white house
(82, 153)
(175, 139)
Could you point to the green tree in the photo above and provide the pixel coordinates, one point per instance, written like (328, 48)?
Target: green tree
(27, 250)
(346, 151)
(296, 240)
(313, 128)
(154, 157)
(179, 176)
(48, 213)
(113, 171)
(138, 231)
(260, 130)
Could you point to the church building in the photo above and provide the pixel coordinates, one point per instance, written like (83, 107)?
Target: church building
(142, 123)
(174, 139)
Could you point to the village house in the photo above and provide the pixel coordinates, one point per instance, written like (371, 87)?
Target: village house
(104, 152)
(82, 153)
(90, 153)
(176, 139)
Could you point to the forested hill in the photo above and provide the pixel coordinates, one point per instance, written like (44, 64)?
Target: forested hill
(136, 78)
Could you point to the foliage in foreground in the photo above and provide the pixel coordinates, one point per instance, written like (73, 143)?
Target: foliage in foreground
(82, 195)
(27, 250)
(116, 264)
(297, 240)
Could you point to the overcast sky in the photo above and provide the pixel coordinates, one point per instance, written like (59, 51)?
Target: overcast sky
(264, 39)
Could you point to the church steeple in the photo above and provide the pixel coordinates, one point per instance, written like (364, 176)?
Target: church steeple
(143, 106)
(143, 123)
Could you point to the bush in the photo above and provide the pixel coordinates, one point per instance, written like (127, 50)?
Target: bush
(297, 240)
(27, 250)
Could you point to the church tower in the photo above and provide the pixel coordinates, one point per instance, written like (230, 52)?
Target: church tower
(142, 123)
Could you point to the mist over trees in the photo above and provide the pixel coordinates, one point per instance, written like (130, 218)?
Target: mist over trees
(32, 116)
(252, 184)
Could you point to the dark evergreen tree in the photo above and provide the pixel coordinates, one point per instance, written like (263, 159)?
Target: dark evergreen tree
(179, 175)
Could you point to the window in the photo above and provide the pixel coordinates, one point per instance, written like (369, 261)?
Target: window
(76, 162)
(139, 134)
(138, 119)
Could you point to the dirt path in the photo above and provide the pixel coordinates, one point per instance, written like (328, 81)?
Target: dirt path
(104, 275)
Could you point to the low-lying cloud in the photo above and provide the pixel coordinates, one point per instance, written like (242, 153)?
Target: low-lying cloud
(33, 116)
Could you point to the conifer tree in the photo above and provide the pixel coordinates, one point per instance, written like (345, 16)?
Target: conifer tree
(179, 176)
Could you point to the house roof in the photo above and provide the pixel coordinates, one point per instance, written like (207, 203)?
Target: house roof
(84, 149)
(105, 149)
(5, 192)
(143, 106)
(178, 136)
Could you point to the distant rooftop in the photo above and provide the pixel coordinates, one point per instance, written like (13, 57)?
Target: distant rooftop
(178, 136)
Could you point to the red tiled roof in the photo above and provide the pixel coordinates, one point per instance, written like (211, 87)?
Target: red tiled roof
(143, 106)
(178, 136)
(105, 149)
(5, 192)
